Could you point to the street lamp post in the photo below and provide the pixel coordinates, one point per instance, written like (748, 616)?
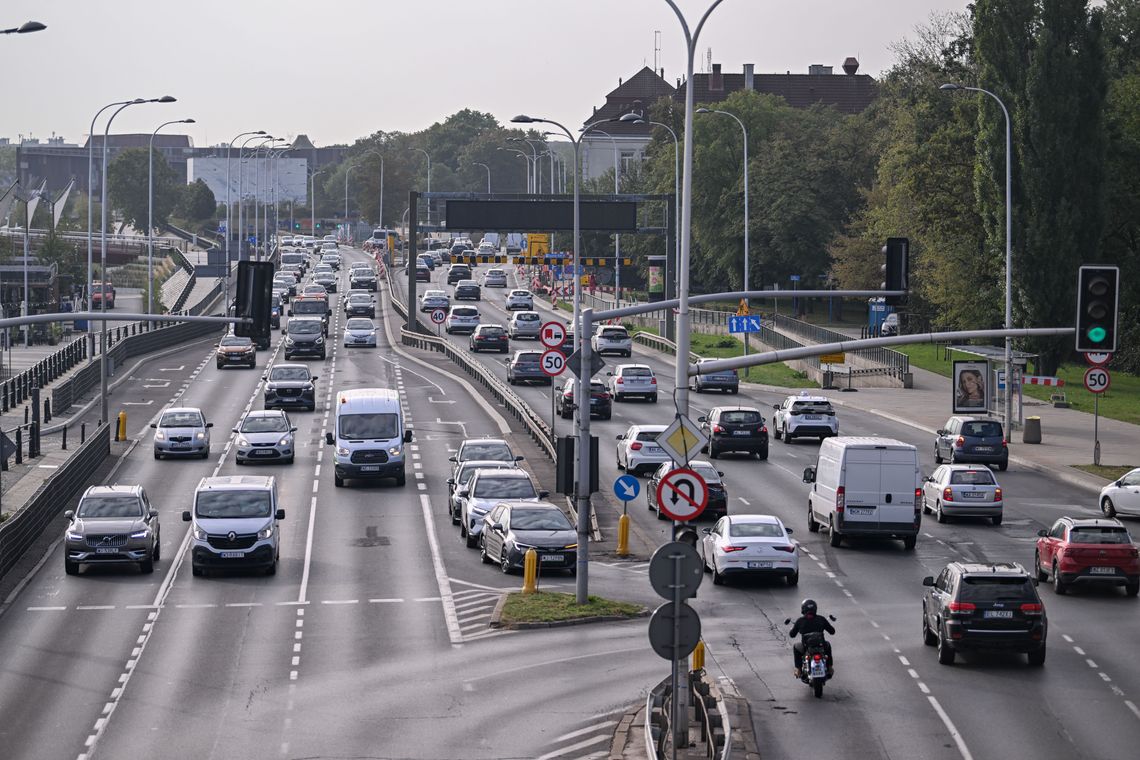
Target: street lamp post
(229, 206)
(1008, 394)
(428, 157)
(260, 167)
(743, 129)
(347, 236)
(260, 134)
(268, 139)
(277, 190)
(313, 200)
(150, 215)
(488, 175)
(617, 236)
(25, 28)
(103, 254)
(529, 174)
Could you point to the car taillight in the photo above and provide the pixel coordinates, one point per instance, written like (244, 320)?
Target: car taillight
(717, 429)
(636, 446)
(947, 494)
(1004, 442)
(730, 549)
(619, 381)
(763, 428)
(960, 442)
(917, 496)
(962, 607)
(603, 396)
(816, 657)
(1032, 609)
(840, 499)
(653, 381)
(997, 494)
(789, 548)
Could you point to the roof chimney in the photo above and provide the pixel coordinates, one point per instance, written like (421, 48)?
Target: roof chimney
(749, 76)
(716, 81)
(850, 66)
(817, 69)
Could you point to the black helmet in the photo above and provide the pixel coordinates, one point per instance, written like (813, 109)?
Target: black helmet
(808, 607)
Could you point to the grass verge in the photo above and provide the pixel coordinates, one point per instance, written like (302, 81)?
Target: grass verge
(725, 346)
(1109, 472)
(549, 607)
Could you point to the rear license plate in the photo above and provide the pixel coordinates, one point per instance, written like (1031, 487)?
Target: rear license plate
(759, 565)
(860, 510)
(973, 494)
(984, 449)
(370, 468)
(998, 614)
(812, 417)
(106, 550)
(551, 558)
(232, 555)
(1103, 570)
(817, 669)
(740, 432)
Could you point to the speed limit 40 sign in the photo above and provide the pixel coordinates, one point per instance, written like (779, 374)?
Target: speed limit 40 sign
(1097, 379)
(552, 362)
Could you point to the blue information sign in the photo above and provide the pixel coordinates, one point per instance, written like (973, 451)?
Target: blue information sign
(794, 278)
(627, 487)
(747, 324)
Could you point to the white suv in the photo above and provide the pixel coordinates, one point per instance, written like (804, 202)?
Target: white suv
(633, 380)
(804, 415)
(461, 319)
(612, 339)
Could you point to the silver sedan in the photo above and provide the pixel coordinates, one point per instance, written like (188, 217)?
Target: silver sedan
(359, 332)
(265, 435)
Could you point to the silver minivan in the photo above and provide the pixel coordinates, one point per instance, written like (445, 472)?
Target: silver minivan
(234, 524)
(369, 436)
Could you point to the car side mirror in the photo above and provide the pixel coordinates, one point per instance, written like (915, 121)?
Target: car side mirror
(789, 530)
(463, 493)
(787, 621)
(776, 407)
(233, 430)
(290, 312)
(265, 376)
(497, 527)
(451, 482)
(329, 438)
(186, 516)
(152, 513)
(313, 378)
(620, 437)
(520, 459)
(280, 515)
(1043, 533)
(452, 459)
(718, 472)
(69, 514)
(407, 436)
(609, 374)
(702, 419)
(543, 494)
(706, 531)
(209, 424)
(928, 479)
(154, 424)
(928, 580)
(809, 474)
(292, 430)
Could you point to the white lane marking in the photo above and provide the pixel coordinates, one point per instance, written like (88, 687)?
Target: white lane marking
(337, 601)
(449, 614)
(304, 590)
(1079, 651)
(384, 601)
(46, 609)
(95, 607)
(1132, 707)
(963, 750)
(1067, 638)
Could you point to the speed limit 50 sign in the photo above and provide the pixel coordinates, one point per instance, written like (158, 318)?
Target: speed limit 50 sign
(552, 362)
(1097, 379)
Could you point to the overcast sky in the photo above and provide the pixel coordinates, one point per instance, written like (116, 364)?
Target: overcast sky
(338, 70)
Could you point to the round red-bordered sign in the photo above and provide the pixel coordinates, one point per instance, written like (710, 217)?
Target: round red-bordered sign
(1098, 359)
(682, 494)
(1097, 379)
(552, 334)
(438, 315)
(553, 363)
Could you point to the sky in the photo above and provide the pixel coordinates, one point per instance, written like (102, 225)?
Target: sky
(339, 70)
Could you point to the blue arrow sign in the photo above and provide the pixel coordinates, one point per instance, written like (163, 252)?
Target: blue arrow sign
(747, 324)
(627, 487)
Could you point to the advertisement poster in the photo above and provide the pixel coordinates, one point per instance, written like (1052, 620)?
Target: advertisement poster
(971, 389)
(656, 284)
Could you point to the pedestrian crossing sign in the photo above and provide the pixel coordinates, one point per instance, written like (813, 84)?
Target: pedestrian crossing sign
(742, 309)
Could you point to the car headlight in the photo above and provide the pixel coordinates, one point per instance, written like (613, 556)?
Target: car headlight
(200, 436)
(159, 436)
(319, 340)
(395, 451)
(73, 536)
(480, 511)
(242, 441)
(199, 533)
(289, 341)
(285, 441)
(570, 546)
(342, 452)
(141, 533)
(523, 547)
(266, 532)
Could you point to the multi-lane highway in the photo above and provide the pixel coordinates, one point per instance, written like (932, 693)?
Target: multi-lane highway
(890, 697)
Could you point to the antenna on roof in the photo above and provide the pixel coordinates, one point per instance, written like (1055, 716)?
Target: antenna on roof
(708, 60)
(656, 49)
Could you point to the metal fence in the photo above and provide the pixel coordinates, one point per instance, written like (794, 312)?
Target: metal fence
(896, 364)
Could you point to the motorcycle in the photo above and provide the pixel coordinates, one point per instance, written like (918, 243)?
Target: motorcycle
(815, 669)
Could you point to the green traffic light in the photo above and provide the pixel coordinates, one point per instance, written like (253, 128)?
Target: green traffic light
(1097, 334)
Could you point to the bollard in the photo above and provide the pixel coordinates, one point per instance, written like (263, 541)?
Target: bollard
(4, 397)
(82, 432)
(121, 432)
(25, 415)
(33, 440)
(19, 445)
(699, 656)
(47, 410)
(64, 445)
(530, 572)
(623, 536)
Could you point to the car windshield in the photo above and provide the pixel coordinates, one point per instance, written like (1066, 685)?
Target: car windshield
(614, 334)
(504, 488)
(234, 341)
(180, 419)
(1099, 535)
(812, 407)
(706, 471)
(110, 506)
(233, 504)
(532, 358)
(982, 429)
(983, 589)
(741, 418)
(539, 519)
(527, 317)
(289, 373)
(359, 324)
(304, 327)
(498, 452)
(971, 478)
(363, 299)
(378, 425)
(637, 372)
(755, 530)
(274, 424)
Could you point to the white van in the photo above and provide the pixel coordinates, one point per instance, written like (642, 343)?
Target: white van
(369, 436)
(866, 487)
(234, 524)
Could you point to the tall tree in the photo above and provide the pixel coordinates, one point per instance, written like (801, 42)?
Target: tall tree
(127, 187)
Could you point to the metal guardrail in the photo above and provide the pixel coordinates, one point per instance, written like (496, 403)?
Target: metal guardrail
(896, 364)
(18, 388)
(777, 340)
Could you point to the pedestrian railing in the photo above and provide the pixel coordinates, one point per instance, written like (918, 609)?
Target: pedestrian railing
(891, 362)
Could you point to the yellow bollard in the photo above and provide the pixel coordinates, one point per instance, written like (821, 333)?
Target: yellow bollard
(530, 572)
(121, 433)
(699, 656)
(623, 536)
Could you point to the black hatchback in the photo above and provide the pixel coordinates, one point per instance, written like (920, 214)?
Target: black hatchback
(735, 428)
(974, 606)
(973, 440)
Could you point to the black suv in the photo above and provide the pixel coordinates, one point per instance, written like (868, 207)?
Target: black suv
(458, 272)
(290, 385)
(974, 440)
(601, 402)
(735, 428)
(973, 606)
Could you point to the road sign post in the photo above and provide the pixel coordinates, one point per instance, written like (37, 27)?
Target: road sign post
(1097, 381)
(675, 572)
(437, 317)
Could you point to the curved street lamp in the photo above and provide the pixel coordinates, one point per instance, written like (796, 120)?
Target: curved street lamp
(229, 203)
(634, 118)
(476, 163)
(25, 28)
(150, 214)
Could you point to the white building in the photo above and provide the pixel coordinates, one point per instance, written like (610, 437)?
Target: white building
(254, 177)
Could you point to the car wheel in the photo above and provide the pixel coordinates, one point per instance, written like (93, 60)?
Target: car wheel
(996, 520)
(653, 399)
(925, 506)
(1059, 586)
(469, 540)
(272, 569)
(787, 435)
(1041, 575)
(1003, 465)
(762, 453)
(718, 579)
(157, 454)
(504, 560)
(607, 415)
(945, 650)
(938, 513)
(401, 479)
(1132, 589)
(291, 459)
(813, 526)
(793, 579)
(156, 555)
(1037, 656)
(71, 568)
(338, 481)
(909, 542)
(1106, 506)
(239, 461)
(776, 431)
(928, 637)
(660, 516)
(483, 557)
(195, 570)
(206, 453)
(834, 538)
(146, 567)
(937, 454)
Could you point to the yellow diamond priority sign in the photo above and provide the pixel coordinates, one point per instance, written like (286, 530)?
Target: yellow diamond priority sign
(682, 440)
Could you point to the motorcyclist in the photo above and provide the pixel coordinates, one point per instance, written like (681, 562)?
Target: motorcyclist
(810, 622)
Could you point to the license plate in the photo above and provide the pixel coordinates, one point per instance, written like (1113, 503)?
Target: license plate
(973, 494)
(551, 557)
(817, 669)
(1103, 570)
(759, 565)
(740, 432)
(370, 468)
(232, 555)
(812, 417)
(860, 510)
(180, 446)
(262, 452)
(984, 449)
(106, 550)
(1000, 614)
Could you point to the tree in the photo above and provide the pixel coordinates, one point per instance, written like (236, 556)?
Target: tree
(127, 183)
(196, 202)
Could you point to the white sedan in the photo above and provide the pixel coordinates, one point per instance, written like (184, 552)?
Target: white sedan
(435, 299)
(637, 449)
(749, 545)
(359, 331)
(962, 490)
(1122, 495)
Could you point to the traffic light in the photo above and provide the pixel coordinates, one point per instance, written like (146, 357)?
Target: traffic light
(1098, 293)
(254, 297)
(686, 533)
(296, 225)
(318, 225)
(896, 269)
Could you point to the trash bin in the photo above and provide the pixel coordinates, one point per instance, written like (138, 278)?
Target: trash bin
(1031, 433)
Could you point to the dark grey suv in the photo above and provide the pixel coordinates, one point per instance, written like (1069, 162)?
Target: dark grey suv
(113, 525)
(973, 440)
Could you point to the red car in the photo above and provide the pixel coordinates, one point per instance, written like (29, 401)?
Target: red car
(1088, 551)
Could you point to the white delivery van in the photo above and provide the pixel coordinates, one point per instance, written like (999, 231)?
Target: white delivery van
(369, 436)
(865, 487)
